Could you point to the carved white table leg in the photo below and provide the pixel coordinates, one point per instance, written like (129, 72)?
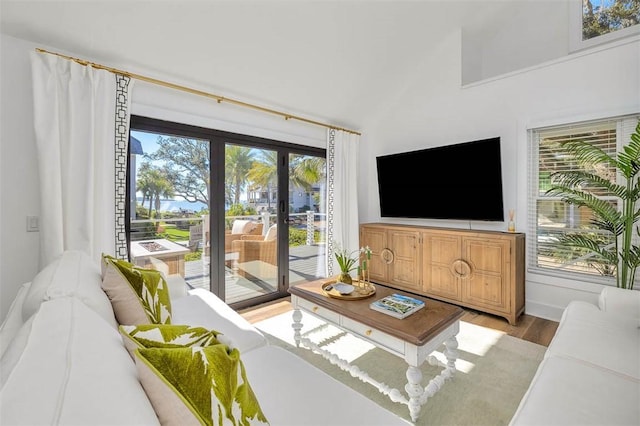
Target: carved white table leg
(435, 384)
(451, 352)
(394, 394)
(297, 326)
(414, 390)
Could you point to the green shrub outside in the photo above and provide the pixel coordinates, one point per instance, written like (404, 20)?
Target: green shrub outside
(195, 255)
(298, 237)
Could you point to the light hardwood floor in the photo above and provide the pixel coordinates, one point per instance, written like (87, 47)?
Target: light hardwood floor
(533, 329)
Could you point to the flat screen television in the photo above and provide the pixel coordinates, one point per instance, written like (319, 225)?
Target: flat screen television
(459, 182)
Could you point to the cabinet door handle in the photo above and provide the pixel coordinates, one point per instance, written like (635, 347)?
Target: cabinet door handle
(387, 256)
(461, 268)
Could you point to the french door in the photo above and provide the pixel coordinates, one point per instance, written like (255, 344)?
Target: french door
(238, 215)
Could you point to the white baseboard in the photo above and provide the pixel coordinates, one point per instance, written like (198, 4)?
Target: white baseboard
(545, 311)
(547, 298)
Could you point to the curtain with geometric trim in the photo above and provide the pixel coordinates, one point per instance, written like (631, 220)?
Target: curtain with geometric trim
(342, 197)
(81, 123)
(121, 163)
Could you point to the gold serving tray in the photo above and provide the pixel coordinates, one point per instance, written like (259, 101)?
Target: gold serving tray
(356, 295)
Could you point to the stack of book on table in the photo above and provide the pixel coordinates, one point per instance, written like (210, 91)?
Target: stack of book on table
(397, 305)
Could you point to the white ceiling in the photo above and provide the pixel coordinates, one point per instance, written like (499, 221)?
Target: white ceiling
(335, 61)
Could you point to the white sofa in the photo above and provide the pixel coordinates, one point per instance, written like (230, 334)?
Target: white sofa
(590, 374)
(63, 359)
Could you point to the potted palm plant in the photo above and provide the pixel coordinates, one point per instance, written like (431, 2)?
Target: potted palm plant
(622, 257)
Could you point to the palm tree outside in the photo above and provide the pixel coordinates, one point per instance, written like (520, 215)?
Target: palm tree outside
(238, 163)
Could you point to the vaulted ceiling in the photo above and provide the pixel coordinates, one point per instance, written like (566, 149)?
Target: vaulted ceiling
(334, 61)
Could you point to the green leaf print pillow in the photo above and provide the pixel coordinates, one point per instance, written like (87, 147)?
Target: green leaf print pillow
(168, 336)
(200, 385)
(137, 295)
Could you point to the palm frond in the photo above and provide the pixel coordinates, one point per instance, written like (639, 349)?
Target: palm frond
(590, 244)
(629, 157)
(586, 153)
(614, 227)
(579, 178)
(600, 208)
(634, 194)
(632, 257)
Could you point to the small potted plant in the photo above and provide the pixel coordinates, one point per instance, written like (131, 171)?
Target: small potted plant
(348, 262)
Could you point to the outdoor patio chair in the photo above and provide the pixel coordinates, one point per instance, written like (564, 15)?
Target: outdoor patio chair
(195, 237)
(239, 229)
(257, 254)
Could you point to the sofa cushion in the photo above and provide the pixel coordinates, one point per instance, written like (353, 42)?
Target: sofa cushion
(198, 385)
(620, 301)
(311, 396)
(73, 273)
(204, 309)
(601, 338)
(568, 392)
(167, 336)
(74, 370)
(138, 296)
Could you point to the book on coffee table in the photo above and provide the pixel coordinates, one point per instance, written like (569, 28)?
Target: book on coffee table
(397, 305)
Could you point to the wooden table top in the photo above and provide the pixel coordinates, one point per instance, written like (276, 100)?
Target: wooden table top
(416, 329)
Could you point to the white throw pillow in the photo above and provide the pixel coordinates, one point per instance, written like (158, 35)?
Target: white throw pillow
(73, 273)
(74, 370)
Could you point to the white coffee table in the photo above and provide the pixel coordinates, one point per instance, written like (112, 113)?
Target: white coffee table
(413, 339)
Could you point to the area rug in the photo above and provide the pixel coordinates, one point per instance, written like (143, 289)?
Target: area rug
(494, 370)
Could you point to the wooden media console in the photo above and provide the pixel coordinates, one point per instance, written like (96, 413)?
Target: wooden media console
(482, 270)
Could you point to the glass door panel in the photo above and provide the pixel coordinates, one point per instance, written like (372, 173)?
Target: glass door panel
(204, 204)
(169, 205)
(307, 218)
(251, 234)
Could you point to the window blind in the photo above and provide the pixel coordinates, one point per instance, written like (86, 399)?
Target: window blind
(548, 216)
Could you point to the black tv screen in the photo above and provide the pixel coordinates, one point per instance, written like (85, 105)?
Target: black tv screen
(460, 182)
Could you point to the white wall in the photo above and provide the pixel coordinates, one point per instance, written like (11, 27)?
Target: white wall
(592, 84)
(19, 184)
(19, 187)
(521, 36)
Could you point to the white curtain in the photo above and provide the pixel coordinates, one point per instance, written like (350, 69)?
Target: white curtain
(75, 126)
(342, 209)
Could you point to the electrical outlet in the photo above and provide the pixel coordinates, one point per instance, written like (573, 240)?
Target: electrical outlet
(33, 224)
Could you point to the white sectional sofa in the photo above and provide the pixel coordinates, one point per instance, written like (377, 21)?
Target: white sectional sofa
(63, 359)
(590, 374)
